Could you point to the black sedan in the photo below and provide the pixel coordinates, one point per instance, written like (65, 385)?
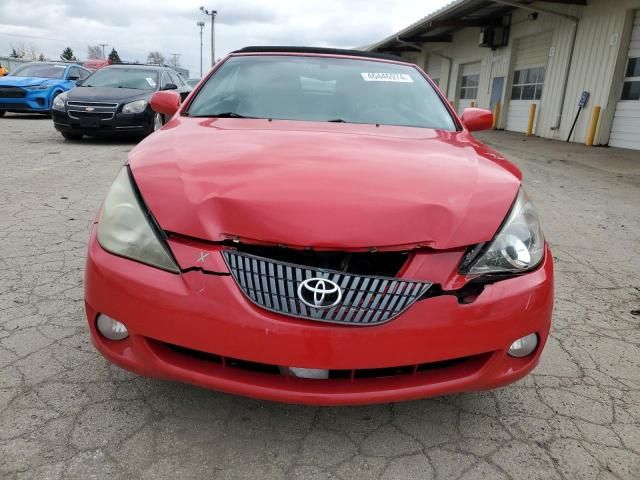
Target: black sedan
(115, 101)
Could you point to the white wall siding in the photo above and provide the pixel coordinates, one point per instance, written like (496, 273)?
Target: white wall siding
(600, 48)
(625, 129)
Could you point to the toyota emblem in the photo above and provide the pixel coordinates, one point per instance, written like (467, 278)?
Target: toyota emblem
(319, 293)
(89, 109)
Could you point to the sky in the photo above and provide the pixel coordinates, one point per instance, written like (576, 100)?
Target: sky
(135, 27)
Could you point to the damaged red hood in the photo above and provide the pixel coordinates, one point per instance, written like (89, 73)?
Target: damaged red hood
(323, 185)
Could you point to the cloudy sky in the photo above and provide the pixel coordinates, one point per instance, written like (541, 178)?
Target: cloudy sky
(134, 27)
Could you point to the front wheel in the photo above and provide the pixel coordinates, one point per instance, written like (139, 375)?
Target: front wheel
(2, 112)
(71, 136)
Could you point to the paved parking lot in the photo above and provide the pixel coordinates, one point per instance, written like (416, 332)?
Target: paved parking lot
(66, 413)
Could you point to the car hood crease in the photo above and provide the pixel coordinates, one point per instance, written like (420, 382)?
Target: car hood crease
(326, 186)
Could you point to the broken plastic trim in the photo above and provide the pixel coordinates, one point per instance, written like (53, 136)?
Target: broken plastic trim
(204, 271)
(464, 295)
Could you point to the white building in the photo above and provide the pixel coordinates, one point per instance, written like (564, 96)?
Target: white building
(545, 53)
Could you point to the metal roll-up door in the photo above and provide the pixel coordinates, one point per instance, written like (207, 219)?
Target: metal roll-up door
(468, 90)
(527, 80)
(434, 67)
(626, 120)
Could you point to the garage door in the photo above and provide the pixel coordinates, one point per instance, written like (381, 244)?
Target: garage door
(469, 79)
(527, 82)
(434, 67)
(626, 120)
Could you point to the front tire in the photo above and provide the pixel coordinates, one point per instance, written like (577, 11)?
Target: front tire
(71, 136)
(2, 112)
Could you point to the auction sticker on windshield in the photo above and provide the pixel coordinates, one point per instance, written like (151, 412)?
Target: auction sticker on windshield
(387, 77)
(151, 82)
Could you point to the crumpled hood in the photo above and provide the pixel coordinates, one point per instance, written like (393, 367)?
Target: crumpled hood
(27, 81)
(323, 185)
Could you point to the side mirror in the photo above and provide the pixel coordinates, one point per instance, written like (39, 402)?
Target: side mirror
(477, 119)
(170, 86)
(73, 78)
(166, 103)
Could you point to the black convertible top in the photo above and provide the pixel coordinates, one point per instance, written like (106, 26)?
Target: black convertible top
(321, 50)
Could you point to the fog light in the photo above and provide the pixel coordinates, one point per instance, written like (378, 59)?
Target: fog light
(110, 328)
(316, 373)
(524, 346)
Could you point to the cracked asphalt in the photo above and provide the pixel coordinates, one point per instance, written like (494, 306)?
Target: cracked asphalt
(66, 413)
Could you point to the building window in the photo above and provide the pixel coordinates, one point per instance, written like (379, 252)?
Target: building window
(469, 87)
(631, 86)
(527, 84)
(436, 81)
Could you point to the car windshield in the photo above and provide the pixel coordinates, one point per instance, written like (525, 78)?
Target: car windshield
(316, 88)
(41, 70)
(136, 78)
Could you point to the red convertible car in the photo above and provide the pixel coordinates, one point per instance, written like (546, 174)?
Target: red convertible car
(318, 226)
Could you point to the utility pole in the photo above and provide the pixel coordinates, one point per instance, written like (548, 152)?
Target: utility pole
(212, 14)
(176, 59)
(201, 25)
(103, 45)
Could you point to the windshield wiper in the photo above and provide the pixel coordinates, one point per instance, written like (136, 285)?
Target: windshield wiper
(223, 115)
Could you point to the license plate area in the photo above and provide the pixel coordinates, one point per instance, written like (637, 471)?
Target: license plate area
(90, 122)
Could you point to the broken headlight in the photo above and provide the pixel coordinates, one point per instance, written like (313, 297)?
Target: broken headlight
(517, 247)
(125, 228)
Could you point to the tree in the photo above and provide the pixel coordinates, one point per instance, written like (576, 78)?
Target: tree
(156, 58)
(174, 60)
(114, 57)
(94, 51)
(19, 50)
(30, 52)
(67, 55)
(41, 58)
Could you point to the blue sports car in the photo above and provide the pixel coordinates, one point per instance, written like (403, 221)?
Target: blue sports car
(33, 86)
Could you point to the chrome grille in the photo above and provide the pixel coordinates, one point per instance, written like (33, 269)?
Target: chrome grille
(102, 110)
(366, 300)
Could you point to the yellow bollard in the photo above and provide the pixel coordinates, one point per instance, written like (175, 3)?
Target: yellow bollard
(496, 116)
(532, 117)
(593, 125)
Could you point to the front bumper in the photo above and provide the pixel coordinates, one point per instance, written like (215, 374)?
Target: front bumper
(199, 328)
(37, 101)
(120, 124)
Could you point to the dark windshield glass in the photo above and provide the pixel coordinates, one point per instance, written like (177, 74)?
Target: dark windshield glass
(42, 70)
(135, 78)
(322, 89)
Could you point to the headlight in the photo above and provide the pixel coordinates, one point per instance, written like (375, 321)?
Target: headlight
(516, 248)
(126, 230)
(38, 87)
(135, 107)
(58, 102)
